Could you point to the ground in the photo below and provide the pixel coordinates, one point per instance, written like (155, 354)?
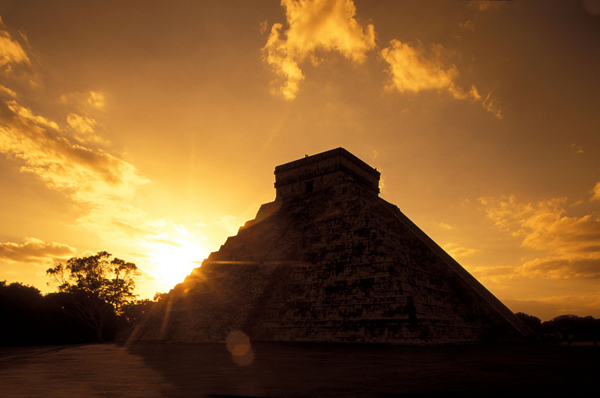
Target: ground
(295, 370)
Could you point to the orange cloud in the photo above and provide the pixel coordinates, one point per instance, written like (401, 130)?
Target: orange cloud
(83, 125)
(66, 155)
(314, 26)
(553, 267)
(11, 51)
(84, 103)
(34, 251)
(457, 252)
(490, 106)
(467, 25)
(96, 100)
(83, 129)
(66, 159)
(49, 153)
(484, 5)
(494, 274)
(410, 71)
(7, 91)
(572, 244)
(596, 192)
(102, 184)
(445, 226)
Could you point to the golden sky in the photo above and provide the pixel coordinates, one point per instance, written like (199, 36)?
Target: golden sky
(151, 129)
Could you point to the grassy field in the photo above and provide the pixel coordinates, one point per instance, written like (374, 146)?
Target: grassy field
(296, 370)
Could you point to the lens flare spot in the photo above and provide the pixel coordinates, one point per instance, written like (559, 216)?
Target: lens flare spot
(238, 344)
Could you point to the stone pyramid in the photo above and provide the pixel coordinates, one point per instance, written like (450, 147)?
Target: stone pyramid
(330, 261)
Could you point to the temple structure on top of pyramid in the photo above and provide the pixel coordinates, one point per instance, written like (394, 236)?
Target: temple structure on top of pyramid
(330, 261)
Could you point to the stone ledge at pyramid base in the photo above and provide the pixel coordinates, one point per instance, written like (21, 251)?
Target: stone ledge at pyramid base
(333, 264)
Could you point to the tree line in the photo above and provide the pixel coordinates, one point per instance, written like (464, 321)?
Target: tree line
(95, 301)
(564, 328)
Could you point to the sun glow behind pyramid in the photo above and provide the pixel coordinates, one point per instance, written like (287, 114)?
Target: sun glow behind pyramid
(329, 260)
(480, 115)
(174, 261)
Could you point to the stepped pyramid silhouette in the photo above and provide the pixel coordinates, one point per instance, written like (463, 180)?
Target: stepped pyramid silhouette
(330, 261)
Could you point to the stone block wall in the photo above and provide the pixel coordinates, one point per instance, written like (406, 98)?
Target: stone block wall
(323, 171)
(337, 265)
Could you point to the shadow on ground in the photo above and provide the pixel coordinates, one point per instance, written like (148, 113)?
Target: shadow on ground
(344, 370)
(296, 370)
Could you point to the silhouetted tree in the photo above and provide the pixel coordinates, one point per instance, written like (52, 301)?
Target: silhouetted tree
(20, 314)
(61, 327)
(534, 323)
(100, 288)
(573, 328)
(28, 318)
(133, 312)
(158, 296)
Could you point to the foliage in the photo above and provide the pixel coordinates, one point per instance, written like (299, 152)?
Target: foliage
(28, 318)
(573, 328)
(564, 328)
(534, 323)
(110, 281)
(100, 288)
(19, 313)
(160, 296)
(139, 311)
(135, 311)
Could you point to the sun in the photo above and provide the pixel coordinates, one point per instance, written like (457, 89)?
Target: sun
(174, 261)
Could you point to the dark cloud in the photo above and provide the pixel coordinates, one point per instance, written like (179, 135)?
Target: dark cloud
(34, 251)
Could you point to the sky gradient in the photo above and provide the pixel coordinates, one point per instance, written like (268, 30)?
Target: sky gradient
(151, 130)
